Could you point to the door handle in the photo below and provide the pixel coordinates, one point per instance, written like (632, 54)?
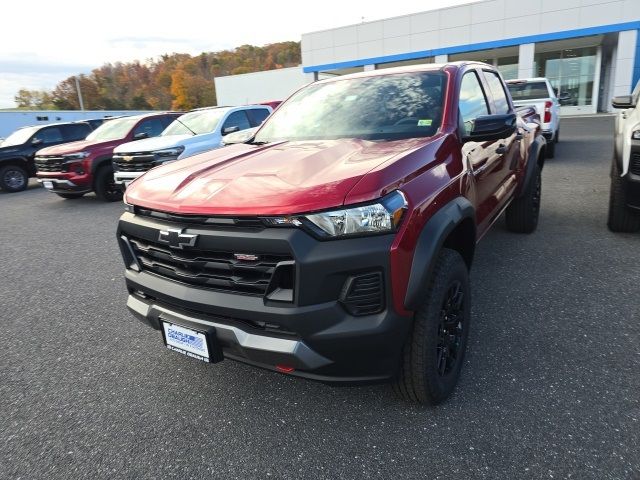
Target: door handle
(502, 149)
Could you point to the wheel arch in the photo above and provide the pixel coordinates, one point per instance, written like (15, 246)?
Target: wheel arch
(537, 151)
(454, 227)
(19, 162)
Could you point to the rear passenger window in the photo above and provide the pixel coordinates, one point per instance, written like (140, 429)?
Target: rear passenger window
(236, 119)
(472, 103)
(257, 116)
(76, 132)
(152, 127)
(497, 92)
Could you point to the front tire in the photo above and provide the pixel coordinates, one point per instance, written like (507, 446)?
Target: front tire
(13, 178)
(434, 352)
(106, 188)
(621, 217)
(522, 214)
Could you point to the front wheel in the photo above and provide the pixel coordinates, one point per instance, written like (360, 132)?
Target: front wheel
(522, 214)
(105, 186)
(434, 352)
(13, 178)
(621, 217)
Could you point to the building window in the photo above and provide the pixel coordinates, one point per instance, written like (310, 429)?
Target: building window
(571, 73)
(508, 67)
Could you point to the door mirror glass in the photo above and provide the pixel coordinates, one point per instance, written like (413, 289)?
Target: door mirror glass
(492, 127)
(140, 135)
(228, 130)
(37, 141)
(623, 101)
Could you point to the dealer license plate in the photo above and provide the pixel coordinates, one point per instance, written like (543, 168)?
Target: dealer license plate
(48, 185)
(186, 341)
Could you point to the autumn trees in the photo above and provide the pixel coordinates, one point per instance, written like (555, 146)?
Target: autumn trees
(177, 81)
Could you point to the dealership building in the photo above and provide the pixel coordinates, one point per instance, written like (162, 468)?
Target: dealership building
(588, 49)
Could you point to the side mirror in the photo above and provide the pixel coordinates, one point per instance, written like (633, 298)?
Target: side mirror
(140, 135)
(492, 127)
(243, 136)
(623, 101)
(228, 130)
(37, 141)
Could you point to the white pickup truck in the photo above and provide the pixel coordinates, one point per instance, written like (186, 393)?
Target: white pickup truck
(538, 93)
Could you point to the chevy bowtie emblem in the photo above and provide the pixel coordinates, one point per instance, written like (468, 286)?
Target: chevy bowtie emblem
(127, 158)
(176, 238)
(247, 257)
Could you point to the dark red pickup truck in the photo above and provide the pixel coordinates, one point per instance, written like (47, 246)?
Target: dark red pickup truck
(336, 244)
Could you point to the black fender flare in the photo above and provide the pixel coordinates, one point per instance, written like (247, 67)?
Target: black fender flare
(21, 160)
(430, 241)
(532, 159)
(99, 162)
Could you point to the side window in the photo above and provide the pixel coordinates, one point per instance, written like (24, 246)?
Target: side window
(473, 103)
(168, 120)
(152, 127)
(75, 132)
(236, 119)
(49, 135)
(497, 92)
(257, 116)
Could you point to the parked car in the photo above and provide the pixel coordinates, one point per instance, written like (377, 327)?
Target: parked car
(18, 150)
(194, 132)
(336, 244)
(272, 103)
(624, 199)
(539, 93)
(77, 168)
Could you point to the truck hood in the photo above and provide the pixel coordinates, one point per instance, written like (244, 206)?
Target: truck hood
(275, 179)
(154, 143)
(79, 146)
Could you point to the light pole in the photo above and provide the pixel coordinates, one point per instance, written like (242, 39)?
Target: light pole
(79, 93)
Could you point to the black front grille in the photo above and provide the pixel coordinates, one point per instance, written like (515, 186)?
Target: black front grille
(135, 162)
(363, 294)
(251, 223)
(634, 167)
(218, 270)
(49, 163)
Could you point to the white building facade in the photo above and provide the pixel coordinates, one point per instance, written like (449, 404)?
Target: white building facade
(589, 49)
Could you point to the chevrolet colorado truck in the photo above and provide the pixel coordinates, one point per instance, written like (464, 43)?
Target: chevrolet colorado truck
(336, 243)
(194, 132)
(76, 168)
(18, 150)
(624, 198)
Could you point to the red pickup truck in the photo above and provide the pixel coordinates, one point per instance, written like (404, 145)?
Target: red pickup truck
(73, 169)
(336, 243)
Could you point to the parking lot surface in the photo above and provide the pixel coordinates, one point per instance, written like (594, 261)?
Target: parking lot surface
(550, 389)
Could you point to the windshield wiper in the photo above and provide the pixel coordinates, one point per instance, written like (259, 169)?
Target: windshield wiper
(177, 120)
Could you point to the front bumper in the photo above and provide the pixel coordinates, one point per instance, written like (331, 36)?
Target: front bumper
(61, 185)
(313, 331)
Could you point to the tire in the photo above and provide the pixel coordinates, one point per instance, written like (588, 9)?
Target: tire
(522, 215)
(13, 178)
(70, 196)
(551, 149)
(433, 354)
(556, 138)
(105, 187)
(621, 217)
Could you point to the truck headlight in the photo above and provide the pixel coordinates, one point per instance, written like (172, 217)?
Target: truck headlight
(75, 156)
(383, 216)
(635, 135)
(169, 152)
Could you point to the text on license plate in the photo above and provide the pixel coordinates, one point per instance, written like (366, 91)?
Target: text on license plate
(47, 184)
(186, 341)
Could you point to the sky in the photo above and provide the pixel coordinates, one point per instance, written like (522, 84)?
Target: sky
(50, 41)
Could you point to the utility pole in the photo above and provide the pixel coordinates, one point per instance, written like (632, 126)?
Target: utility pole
(79, 93)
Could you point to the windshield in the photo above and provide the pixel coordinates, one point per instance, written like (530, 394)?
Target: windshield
(385, 107)
(113, 129)
(196, 123)
(19, 137)
(528, 90)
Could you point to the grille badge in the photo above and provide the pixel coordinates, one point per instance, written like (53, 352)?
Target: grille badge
(245, 257)
(176, 238)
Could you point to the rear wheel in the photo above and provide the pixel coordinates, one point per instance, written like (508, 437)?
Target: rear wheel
(70, 195)
(13, 178)
(621, 217)
(434, 352)
(522, 215)
(106, 188)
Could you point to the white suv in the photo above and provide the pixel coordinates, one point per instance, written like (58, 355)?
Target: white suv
(192, 133)
(624, 201)
(538, 93)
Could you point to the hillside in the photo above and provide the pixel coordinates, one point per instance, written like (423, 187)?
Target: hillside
(178, 81)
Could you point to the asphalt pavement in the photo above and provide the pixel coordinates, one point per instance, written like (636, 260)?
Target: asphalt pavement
(550, 388)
